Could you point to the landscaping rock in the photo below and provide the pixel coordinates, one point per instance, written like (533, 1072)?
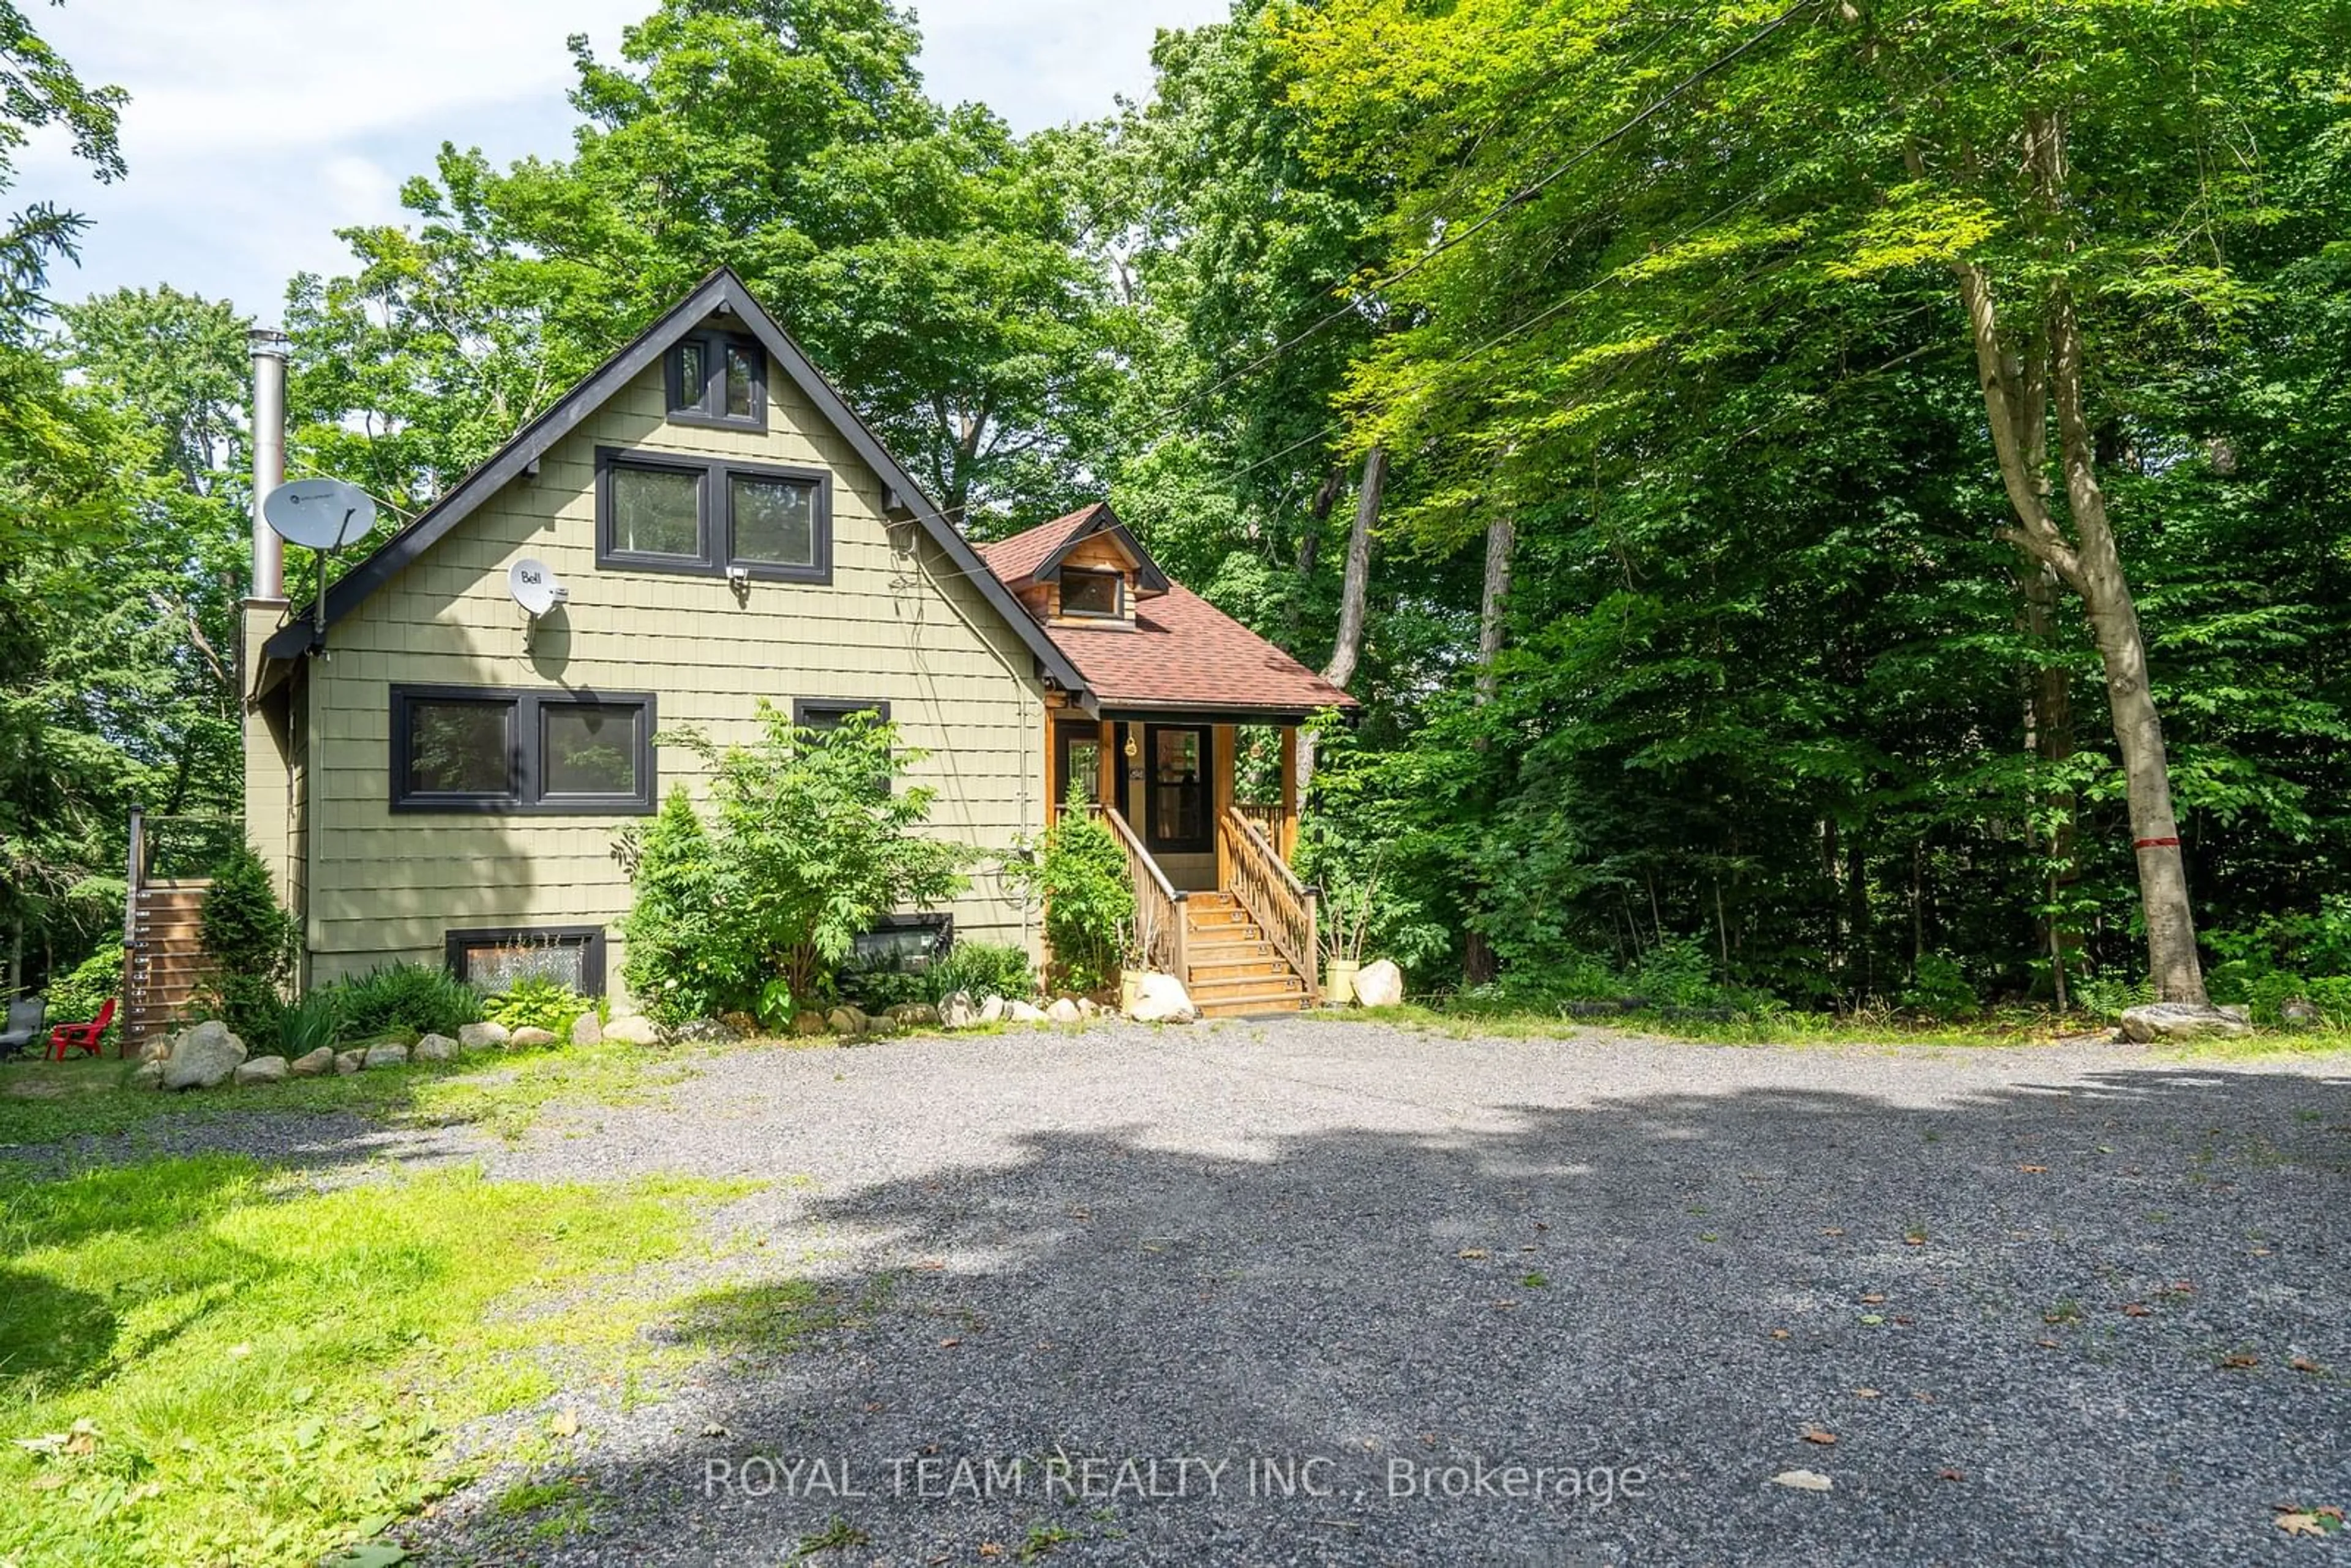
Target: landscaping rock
(150, 1074)
(1379, 985)
(386, 1053)
(1162, 998)
(587, 1029)
(202, 1057)
(437, 1048)
(915, 1015)
(481, 1036)
(350, 1061)
(745, 1026)
(847, 1021)
(530, 1036)
(2301, 1014)
(956, 1011)
(716, 1031)
(157, 1048)
(807, 1022)
(315, 1064)
(1064, 1010)
(993, 1009)
(261, 1069)
(1023, 1012)
(633, 1031)
(1089, 1008)
(2179, 1020)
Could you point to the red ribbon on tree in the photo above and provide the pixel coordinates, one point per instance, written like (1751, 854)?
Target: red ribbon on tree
(2157, 844)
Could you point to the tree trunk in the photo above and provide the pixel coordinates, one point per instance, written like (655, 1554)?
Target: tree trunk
(1502, 541)
(1355, 590)
(2088, 563)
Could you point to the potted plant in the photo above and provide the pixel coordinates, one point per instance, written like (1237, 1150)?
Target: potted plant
(1348, 918)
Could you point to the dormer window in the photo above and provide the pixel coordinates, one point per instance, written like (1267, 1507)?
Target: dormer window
(1093, 595)
(717, 379)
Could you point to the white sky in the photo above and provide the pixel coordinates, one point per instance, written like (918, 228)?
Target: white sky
(257, 128)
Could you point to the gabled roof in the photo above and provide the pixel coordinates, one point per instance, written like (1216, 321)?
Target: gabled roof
(904, 499)
(1036, 555)
(1181, 654)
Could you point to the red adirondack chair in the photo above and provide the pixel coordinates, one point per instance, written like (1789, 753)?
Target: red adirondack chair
(68, 1036)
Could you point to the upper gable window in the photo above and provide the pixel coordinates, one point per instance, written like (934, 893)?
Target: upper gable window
(715, 379)
(1093, 595)
(666, 511)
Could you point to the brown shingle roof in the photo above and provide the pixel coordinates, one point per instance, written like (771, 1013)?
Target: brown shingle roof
(1181, 651)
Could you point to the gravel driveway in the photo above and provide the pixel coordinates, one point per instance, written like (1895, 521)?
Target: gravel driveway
(2050, 1305)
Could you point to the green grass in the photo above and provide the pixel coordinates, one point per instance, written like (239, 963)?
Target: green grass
(45, 1102)
(216, 1365)
(2004, 1030)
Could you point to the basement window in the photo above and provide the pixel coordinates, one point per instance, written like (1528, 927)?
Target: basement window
(495, 960)
(485, 749)
(715, 379)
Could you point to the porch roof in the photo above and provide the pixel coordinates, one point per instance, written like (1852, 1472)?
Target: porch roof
(1179, 653)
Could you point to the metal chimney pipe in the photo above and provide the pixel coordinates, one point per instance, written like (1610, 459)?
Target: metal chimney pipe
(267, 346)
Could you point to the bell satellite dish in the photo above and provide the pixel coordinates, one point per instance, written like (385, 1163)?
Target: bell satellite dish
(318, 513)
(534, 586)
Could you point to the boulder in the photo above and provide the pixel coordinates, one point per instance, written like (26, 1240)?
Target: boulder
(437, 1048)
(148, 1076)
(202, 1057)
(529, 1035)
(717, 1030)
(993, 1009)
(1379, 985)
(1089, 1008)
(2179, 1020)
(481, 1036)
(847, 1021)
(956, 1011)
(350, 1061)
(807, 1021)
(2301, 1014)
(1023, 1012)
(316, 1064)
(261, 1069)
(1064, 1010)
(385, 1053)
(587, 1029)
(745, 1026)
(156, 1048)
(915, 1015)
(1162, 998)
(633, 1031)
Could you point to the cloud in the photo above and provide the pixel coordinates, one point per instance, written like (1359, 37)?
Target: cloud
(259, 127)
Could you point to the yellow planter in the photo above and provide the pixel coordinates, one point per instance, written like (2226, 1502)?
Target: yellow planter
(1338, 982)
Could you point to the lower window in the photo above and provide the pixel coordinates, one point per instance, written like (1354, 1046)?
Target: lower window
(905, 941)
(493, 959)
(473, 749)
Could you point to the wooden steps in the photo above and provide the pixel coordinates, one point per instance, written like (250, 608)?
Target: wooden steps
(1233, 971)
(164, 960)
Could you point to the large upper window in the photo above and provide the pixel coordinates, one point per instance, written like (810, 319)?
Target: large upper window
(1093, 595)
(662, 512)
(715, 379)
(467, 748)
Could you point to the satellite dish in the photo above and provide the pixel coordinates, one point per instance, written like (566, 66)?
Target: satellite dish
(318, 513)
(534, 586)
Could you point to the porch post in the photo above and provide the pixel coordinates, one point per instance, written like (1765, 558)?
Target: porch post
(1220, 798)
(1106, 766)
(1288, 846)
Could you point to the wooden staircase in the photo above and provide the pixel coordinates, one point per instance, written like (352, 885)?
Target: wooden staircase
(164, 962)
(1231, 968)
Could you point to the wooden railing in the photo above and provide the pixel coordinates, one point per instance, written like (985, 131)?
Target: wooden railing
(1272, 894)
(1159, 924)
(1265, 819)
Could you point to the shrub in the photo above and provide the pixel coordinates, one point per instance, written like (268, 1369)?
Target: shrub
(304, 1026)
(1081, 874)
(250, 939)
(1938, 990)
(419, 996)
(680, 965)
(980, 968)
(539, 1001)
(76, 998)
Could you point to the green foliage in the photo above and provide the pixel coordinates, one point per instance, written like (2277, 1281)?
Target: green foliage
(418, 997)
(1938, 990)
(311, 1022)
(250, 939)
(1081, 872)
(2108, 996)
(77, 998)
(978, 969)
(680, 964)
(539, 1001)
(814, 839)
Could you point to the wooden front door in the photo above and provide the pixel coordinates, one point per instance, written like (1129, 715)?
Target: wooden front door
(1179, 764)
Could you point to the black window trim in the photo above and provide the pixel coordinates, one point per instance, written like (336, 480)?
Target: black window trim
(1117, 610)
(525, 794)
(940, 923)
(716, 557)
(590, 938)
(1153, 838)
(710, 408)
(837, 707)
